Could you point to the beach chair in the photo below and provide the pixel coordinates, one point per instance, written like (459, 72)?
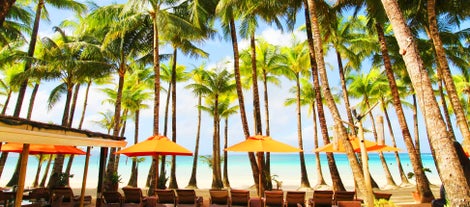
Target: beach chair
(133, 197)
(295, 199)
(344, 196)
(66, 194)
(218, 198)
(69, 197)
(41, 196)
(348, 204)
(166, 198)
(379, 196)
(239, 197)
(321, 198)
(274, 198)
(188, 198)
(111, 199)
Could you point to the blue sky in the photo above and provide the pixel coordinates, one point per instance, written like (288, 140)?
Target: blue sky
(283, 118)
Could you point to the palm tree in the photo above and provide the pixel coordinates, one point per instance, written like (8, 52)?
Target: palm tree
(197, 76)
(137, 92)
(216, 83)
(342, 134)
(72, 5)
(5, 7)
(450, 170)
(443, 66)
(378, 19)
(369, 87)
(225, 112)
(123, 41)
(296, 65)
(336, 179)
(228, 11)
(307, 97)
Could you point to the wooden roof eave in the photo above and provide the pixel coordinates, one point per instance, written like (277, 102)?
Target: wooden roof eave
(20, 130)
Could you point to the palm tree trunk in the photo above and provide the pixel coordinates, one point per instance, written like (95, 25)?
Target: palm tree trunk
(304, 182)
(446, 74)
(267, 163)
(74, 104)
(117, 120)
(445, 108)
(216, 173)
(421, 181)
(241, 101)
(388, 175)
(345, 91)
(46, 172)
(451, 172)
(225, 176)
(3, 160)
(404, 179)
(156, 101)
(85, 103)
(356, 169)
(257, 111)
(192, 180)
(69, 166)
(38, 170)
(336, 179)
(173, 184)
(65, 116)
(31, 100)
(31, 48)
(7, 100)
(4, 8)
(320, 178)
(134, 171)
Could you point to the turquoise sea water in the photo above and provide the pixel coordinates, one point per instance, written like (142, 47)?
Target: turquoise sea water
(285, 166)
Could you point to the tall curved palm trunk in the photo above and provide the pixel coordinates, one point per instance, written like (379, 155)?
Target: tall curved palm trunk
(4, 8)
(304, 182)
(342, 134)
(336, 179)
(31, 48)
(192, 180)
(404, 179)
(446, 74)
(415, 159)
(451, 172)
(241, 101)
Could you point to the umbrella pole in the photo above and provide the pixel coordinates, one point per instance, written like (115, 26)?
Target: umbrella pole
(22, 175)
(260, 181)
(85, 174)
(156, 173)
(365, 167)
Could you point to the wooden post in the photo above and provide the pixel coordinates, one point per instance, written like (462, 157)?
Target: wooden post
(22, 176)
(85, 174)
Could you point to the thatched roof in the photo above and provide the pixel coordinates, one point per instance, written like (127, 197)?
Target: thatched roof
(13, 129)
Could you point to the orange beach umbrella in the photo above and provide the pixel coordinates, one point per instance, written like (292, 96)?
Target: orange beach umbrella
(370, 146)
(154, 146)
(260, 143)
(42, 149)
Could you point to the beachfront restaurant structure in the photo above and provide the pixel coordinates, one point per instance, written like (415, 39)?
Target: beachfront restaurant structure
(18, 130)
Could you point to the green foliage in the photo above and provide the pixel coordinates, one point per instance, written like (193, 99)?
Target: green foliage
(62, 179)
(208, 160)
(278, 182)
(383, 202)
(410, 175)
(116, 178)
